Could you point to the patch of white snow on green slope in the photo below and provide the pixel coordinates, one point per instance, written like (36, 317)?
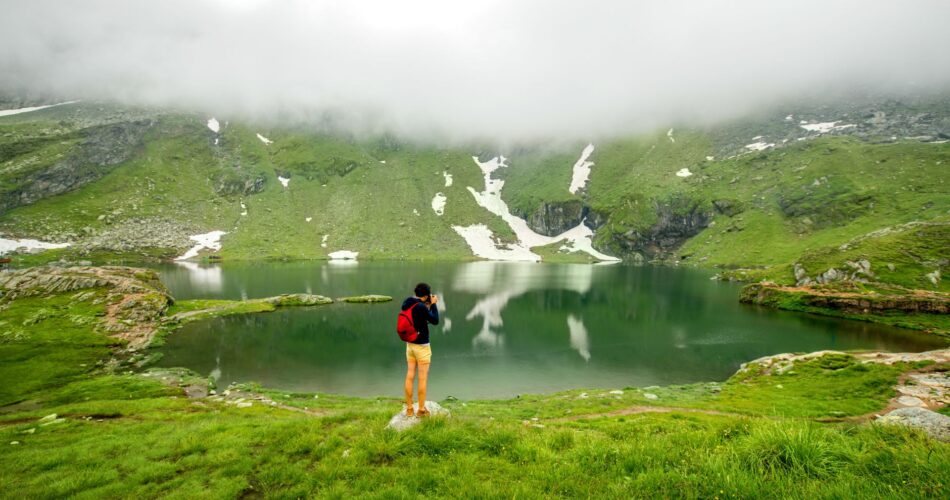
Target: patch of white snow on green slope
(28, 245)
(9, 112)
(483, 242)
(210, 241)
(438, 204)
(581, 170)
(264, 139)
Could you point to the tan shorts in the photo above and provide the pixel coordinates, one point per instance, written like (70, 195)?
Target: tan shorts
(421, 354)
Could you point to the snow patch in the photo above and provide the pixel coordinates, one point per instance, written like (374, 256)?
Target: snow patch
(243, 209)
(483, 242)
(415, 212)
(382, 162)
(264, 139)
(343, 255)
(28, 245)
(789, 118)
(438, 203)
(448, 178)
(683, 172)
(756, 137)
(669, 133)
(284, 181)
(210, 241)
(710, 158)
(823, 128)
(581, 170)
(9, 112)
(759, 146)
(308, 219)
(323, 243)
(214, 125)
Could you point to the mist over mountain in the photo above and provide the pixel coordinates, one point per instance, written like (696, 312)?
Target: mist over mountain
(499, 71)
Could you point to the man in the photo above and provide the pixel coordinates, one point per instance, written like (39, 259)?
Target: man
(418, 352)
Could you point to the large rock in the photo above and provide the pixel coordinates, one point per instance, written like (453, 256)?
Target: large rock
(401, 422)
(99, 151)
(932, 423)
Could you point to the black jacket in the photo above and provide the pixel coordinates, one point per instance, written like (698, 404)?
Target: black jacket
(421, 317)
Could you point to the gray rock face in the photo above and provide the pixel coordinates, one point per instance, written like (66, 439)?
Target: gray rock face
(552, 219)
(401, 422)
(678, 218)
(100, 150)
(932, 423)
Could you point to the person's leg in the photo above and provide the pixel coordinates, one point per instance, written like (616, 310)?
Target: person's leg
(410, 375)
(423, 382)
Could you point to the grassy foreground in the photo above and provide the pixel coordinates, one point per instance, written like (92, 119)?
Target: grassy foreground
(121, 432)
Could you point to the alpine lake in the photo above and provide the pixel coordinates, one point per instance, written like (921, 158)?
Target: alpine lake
(507, 328)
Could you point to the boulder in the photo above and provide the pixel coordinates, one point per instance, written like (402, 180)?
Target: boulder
(401, 422)
(930, 422)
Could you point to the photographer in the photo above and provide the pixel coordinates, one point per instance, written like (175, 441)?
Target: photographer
(418, 352)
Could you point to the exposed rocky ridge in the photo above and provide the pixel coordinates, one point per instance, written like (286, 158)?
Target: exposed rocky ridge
(678, 218)
(49, 280)
(873, 118)
(101, 149)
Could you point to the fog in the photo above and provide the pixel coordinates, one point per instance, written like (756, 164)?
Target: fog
(494, 70)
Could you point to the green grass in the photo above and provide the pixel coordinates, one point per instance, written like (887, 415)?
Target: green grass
(46, 342)
(128, 435)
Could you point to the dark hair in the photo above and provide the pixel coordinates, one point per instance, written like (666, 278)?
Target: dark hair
(423, 289)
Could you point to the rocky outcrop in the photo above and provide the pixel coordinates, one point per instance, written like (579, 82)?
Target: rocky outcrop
(916, 301)
(678, 219)
(100, 150)
(38, 281)
(401, 421)
(238, 182)
(929, 422)
(553, 218)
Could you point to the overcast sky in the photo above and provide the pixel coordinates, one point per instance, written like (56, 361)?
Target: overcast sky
(476, 69)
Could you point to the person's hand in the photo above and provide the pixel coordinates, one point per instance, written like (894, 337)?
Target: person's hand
(433, 300)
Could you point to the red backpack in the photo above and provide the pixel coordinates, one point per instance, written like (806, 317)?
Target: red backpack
(405, 327)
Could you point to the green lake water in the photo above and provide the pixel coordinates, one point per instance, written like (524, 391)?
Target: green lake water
(507, 329)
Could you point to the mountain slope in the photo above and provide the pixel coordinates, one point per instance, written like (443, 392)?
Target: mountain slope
(116, 180)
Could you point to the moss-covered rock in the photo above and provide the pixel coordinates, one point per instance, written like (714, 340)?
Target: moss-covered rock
(298, 299)
(362, 299)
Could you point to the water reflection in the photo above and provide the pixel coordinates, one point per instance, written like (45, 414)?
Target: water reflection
(204, 276)
(578, 336)
(504, 281)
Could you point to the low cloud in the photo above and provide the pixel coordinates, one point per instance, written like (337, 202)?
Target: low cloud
(479, 70)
